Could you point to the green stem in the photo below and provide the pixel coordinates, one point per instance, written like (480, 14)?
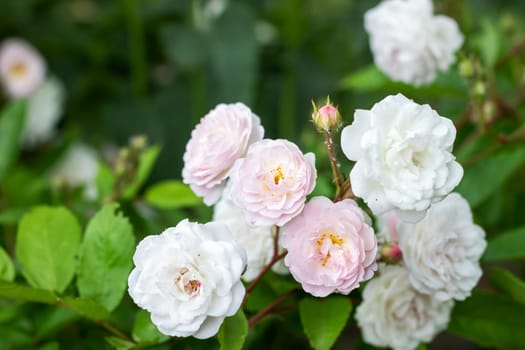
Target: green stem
(136, 47)
(336, 171)
(113, 330)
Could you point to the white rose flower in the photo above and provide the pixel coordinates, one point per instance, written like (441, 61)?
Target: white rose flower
(394, 314)
(78, 167)
(44, 110)
(188, 278)
(22, 68)
(409, 43)
(258, 241)
(442, 251)
(403, 154)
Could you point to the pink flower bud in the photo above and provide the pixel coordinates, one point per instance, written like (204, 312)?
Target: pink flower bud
(327, 116)
(391, 253)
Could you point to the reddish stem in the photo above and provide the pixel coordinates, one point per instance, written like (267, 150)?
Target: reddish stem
(268, 309)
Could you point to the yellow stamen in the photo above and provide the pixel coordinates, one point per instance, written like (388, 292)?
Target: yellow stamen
(336, 240)
(18, 70)
(277, 175)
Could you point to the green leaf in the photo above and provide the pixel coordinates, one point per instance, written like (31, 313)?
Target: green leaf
(370, 78)
(486, 176)
(233, 331)
(105, 181)
(87, 307)
(16, 291)
(508, 283)
(47, 243)
(324, 319)
(366, 79)
(145, 332)
(171, 194)
(11, 126)
(119, 344)
(50, 320)
(7, 270)
(146, 162)
(489, 320)
(506, 246)
(489, 41)
(106, 257)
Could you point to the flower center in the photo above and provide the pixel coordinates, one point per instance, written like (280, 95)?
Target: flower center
(184, 282)
(325, 243)
(277, 175)
(192, 287)
(18, 70)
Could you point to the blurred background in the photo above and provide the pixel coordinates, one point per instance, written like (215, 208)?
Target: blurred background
(155, 67)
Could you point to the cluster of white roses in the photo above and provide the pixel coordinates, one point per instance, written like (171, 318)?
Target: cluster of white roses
(404, 168)
(189, 276)
(405, 171)
(409, 304)
(23, 74)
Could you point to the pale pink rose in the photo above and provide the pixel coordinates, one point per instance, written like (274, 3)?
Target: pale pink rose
(22, 68)
(331, 247)
(270, 185)
(221, 137)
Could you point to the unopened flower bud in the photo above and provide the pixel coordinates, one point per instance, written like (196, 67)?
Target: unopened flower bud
(326, 117)
(480, 89)
(466, 68)
(138, 142)
(391, 253)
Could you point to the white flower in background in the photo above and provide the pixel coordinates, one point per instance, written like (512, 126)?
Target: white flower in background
(22, 68)
(409, 43)
(44, 110)
(442, 251)
(78, 167)
(403, 154)
(188, 278)
(258, 241)
(221, 137)
(394, 314)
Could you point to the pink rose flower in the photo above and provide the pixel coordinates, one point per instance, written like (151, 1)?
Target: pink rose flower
(22, 68)
(221, 137)
(270, 185)
(331, 247)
